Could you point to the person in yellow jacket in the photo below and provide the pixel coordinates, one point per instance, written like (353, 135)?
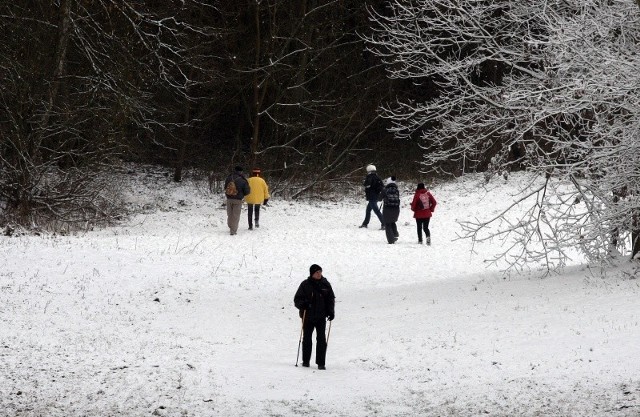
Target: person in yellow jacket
(259, 195)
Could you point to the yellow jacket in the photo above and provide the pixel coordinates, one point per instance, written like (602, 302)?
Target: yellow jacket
(259, 191)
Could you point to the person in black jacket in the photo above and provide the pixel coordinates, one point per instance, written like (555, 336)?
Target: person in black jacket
(391, 209)
(372, 188)
(316, 301)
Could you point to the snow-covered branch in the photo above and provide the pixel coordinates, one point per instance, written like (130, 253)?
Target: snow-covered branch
(547, 86)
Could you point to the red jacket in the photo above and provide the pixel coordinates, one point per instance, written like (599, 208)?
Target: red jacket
(419, 211)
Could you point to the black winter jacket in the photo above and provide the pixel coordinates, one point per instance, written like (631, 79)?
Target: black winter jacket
(316, 297)
(391, 208)
(372, 186)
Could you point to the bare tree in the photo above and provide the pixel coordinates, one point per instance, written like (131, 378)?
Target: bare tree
(309, 96)
(78, 77)
(548, 86)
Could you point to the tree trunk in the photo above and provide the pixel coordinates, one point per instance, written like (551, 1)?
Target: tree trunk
(635, 235)
(177, 174)
(256, 104)
(58, 71)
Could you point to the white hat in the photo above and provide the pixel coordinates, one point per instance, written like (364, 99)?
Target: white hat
(371, 168)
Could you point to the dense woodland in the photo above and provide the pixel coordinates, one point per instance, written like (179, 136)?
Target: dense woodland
(285, 85)
(311, 91)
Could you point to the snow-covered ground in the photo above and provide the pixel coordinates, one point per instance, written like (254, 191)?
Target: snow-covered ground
(169, 315)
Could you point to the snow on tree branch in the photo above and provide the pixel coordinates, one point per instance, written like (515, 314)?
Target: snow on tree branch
(547, 86)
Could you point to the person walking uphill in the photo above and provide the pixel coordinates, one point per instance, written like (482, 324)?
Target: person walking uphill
(372, 188)
(391, 209)
(236, 188)
(259, 195)
(423, 205)
(316, 301)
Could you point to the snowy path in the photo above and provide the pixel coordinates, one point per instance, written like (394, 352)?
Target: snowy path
(169, 315)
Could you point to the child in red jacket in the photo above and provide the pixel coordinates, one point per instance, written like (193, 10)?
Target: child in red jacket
(423, 206)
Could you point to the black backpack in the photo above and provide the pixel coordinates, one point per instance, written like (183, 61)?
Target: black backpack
(392, 196)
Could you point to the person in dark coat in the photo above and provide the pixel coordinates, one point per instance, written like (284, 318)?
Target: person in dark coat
(391, 209)
(235, 196)
(316, 302)
(372, 188)
(423, 206)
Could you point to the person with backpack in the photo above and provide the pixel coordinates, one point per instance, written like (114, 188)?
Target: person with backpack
(315, 301)
(236, 188)
(423, 206)
(259, 195)
(372, 188)
(391, 209)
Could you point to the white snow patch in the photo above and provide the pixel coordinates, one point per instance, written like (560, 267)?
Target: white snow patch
(170, 315)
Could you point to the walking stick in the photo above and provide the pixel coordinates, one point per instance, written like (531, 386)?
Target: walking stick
(304, 313)
(329, 333)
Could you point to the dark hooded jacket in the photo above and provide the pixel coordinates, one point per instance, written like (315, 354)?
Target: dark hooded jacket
(372, 186)
(316, 297)
(391, 198)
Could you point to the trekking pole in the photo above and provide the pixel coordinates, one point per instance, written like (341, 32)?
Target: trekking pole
(304, 313)
(329, 333)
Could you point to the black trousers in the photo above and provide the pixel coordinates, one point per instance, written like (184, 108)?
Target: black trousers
(391, 230)
(423, 224)
(250, 211)
(321, 341)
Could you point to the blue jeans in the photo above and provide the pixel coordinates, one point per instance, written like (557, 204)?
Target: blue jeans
(372, 205)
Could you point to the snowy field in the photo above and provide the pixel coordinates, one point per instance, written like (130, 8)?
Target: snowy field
(169, 315)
